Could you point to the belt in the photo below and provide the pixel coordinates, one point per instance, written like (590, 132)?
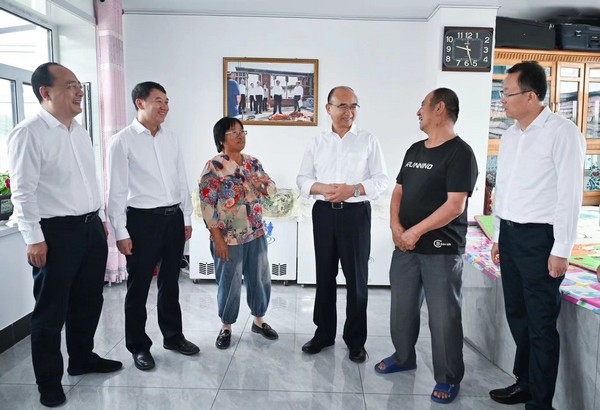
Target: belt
(161, 210)
(342, 205)
(525, 225)
(73, 219)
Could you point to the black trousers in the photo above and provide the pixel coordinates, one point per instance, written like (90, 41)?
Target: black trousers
(532, 300)
(67, 291)
(276, 104)
(242, 106)
(157, 240)
(252, 102)
(342, 235)
(258, 104)
(296, 104)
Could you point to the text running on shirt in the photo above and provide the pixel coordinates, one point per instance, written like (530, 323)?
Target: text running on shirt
(419, 165)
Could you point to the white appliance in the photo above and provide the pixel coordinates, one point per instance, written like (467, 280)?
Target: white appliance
(381, 246)
(282, 238)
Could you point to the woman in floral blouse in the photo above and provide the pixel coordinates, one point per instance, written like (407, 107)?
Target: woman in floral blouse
(231, 188)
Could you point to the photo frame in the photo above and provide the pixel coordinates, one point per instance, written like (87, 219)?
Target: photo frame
(271, 91)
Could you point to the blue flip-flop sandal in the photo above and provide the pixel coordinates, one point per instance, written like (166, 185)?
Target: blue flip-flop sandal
(391, 367)
(450, 389)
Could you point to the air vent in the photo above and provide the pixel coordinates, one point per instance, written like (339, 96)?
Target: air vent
(206, 269)
(279, 269)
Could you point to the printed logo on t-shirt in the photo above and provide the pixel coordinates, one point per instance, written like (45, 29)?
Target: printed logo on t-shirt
(419, 165)
(438, 243)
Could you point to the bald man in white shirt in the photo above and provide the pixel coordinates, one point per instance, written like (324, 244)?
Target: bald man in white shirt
(539, 187)
(343, 169)
(150, 207)
(59, 210)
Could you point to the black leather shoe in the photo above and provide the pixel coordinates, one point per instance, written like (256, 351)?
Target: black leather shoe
(224, 339)
(266, 330)
(143, 360)
(183, 346)
(52, 396)
(358, 354)
(511, 395)
(313, 346)
(96, 364)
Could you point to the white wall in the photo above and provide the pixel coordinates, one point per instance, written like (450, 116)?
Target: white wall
(391, 65)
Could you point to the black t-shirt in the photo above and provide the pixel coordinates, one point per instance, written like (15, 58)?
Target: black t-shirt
(427, 175)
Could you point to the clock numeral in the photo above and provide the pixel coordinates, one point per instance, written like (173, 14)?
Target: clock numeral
(487, 40)
(474, 63)
(469, 35)
(449, 39)
(447, 59)
(485, 49)
(485, 59)
(448, 49)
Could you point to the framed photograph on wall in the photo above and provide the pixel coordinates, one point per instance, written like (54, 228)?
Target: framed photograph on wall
(271, 91)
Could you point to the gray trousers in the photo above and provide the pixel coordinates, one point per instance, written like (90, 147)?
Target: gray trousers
(438, 279)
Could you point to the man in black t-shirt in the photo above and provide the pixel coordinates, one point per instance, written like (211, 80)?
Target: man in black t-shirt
(428, 218)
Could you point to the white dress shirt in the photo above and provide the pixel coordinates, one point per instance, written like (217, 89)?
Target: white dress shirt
(242, 88)
(277, 90)
(145, 172)
(52, 173)
(540, 178)
(298, 91)
(355, 159)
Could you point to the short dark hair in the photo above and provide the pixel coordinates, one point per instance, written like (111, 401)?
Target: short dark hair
(42, 77)
(532, 76)
(143, 90)
(339, 87)
(221, 127)
(450, 100)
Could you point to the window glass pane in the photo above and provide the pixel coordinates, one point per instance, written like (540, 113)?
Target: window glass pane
(23, 44)
(569, 91)
(490, 183)
(7, 119)
(500, 69)
(593, 114)
(591, 180)
(569, 72)
(595, 72)
(498, 121)
(30, 102)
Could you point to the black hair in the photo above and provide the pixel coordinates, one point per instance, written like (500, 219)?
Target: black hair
(42, 77)
(143, 90)
(532, 76)
(221, 127)
(450, 100)
(339, 87)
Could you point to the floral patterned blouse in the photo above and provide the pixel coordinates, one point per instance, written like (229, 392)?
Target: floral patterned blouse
(229, 201)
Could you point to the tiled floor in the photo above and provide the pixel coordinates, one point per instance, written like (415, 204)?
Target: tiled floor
(254, 373)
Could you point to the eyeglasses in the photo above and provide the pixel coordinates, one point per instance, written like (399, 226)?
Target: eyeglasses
(237, 133)
(504, 96)
(346, 107)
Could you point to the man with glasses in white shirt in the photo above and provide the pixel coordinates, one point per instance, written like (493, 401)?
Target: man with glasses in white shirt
(59, 209)
(343, 169)
(150, 207)
(539, 187)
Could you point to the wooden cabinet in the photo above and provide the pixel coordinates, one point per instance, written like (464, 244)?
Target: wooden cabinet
(573, 92)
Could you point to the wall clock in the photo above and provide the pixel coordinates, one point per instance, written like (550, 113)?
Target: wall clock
(467, 48)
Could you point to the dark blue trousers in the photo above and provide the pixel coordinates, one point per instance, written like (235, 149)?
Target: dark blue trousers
(157, 240)
(532, 301)
(342, 235)
(67, 291)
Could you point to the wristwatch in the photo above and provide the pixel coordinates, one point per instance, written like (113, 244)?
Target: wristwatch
(356, 191)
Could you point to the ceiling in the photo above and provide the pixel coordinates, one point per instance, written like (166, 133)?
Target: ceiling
(539, 10)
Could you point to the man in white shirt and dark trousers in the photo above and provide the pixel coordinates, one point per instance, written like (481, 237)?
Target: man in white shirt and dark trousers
(59, 209)
(539, 186)
(277, 97)
(149, 205)
(343, 169)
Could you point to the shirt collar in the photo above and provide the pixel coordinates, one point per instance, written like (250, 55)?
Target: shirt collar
(353, 130)
(541, 119)
(50, 119)
(140, 129)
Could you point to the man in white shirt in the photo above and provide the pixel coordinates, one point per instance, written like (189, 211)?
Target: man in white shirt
(258, 98)
(343, 169)
(539, 188)
(242, 106)
(277, 97)
(298, 92)
(149, 205)
(59, 210)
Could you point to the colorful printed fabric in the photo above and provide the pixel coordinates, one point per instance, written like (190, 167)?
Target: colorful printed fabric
(229, 201)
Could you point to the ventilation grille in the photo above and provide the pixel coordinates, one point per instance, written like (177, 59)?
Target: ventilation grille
(206, 269)
(279, 269)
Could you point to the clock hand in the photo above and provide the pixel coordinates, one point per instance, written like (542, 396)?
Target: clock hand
(463, 48)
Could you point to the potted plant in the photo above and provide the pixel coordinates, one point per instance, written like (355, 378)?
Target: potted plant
(6, 207)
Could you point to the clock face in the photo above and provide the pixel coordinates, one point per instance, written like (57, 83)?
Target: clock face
(467, 49)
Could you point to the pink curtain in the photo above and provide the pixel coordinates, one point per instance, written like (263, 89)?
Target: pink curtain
(109, 34)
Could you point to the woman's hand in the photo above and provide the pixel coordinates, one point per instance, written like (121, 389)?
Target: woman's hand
(220, 245)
